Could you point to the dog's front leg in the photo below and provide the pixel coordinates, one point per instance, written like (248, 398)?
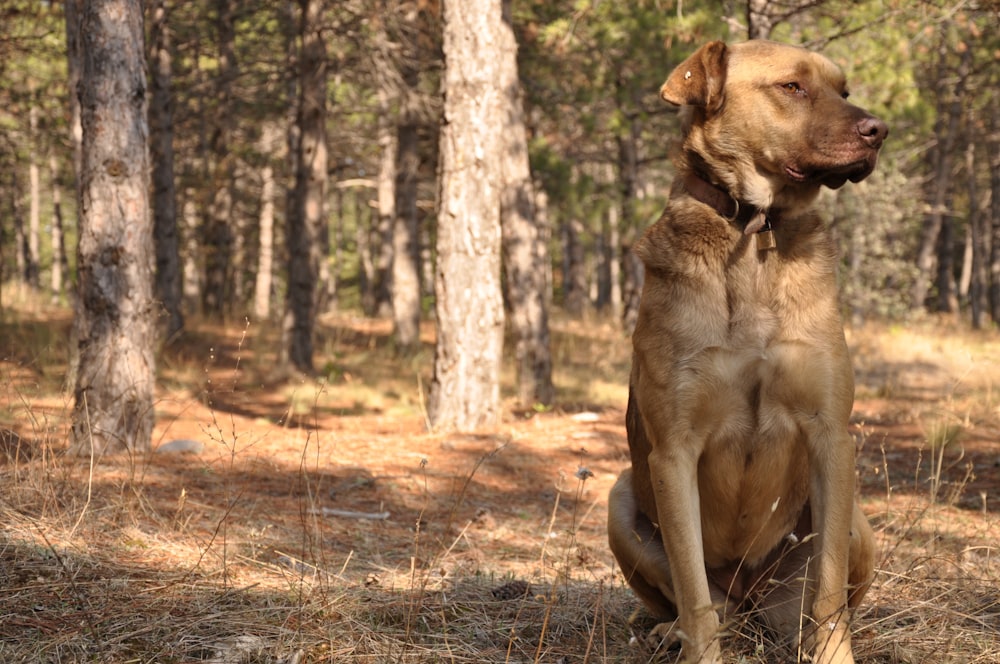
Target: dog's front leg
(673, 466)
(832, 504)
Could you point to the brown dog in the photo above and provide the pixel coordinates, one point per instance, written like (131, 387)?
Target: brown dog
(741, 490)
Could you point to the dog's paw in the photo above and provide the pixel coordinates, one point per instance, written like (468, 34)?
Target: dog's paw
(664, 636)
(668, 635)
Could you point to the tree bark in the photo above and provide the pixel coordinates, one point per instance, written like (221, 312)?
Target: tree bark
(615, 261)
(406, 224)
(979, 240)
(575, 292)
(307, 221)
(628, 175)
(113, 409)
(993, 148)
(161, 124)
(406, 238)
(949, 112)
(465, 392)
(218, 234)
(523, 251)
(72, 10)
(376, 297)
(34, 200)
(191, 275)
(59, 265)
(366, 218)
(265, 247)
(947, 299)
(20, 237)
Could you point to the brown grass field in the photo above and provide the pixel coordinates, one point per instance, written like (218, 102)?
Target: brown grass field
(321, 522)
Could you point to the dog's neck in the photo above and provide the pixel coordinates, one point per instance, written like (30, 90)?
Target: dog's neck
(749, 217)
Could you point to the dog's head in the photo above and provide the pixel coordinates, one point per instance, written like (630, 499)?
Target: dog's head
(771, 122)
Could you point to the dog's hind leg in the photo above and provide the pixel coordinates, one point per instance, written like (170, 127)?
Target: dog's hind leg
(638, 548)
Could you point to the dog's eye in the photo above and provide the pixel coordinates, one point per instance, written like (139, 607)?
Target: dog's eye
(792, 88)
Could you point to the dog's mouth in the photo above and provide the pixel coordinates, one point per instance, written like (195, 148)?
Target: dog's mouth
(833, 176)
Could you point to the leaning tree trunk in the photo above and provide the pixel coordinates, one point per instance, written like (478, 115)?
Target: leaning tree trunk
(161, 122)
(306, 223)
(113, 408)
(465, 392)
(523, 251)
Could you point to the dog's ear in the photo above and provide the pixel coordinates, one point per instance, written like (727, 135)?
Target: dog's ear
(698, 81)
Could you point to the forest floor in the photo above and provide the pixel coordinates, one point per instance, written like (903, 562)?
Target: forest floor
(319, 521)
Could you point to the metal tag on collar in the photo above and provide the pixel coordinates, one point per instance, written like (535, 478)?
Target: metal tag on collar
(765, 237)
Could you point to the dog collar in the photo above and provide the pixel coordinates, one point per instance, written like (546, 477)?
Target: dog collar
(754, 220)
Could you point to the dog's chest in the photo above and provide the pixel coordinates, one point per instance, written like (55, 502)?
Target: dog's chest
(755, 388)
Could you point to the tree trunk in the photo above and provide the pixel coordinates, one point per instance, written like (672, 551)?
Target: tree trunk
(218, 234)
(20, 237)
(59, 265)
(190, 259)
(523, 254)
(947, 299)
(574, 267)
(113, 409)
(949, 112)
(365, 217)
(406, 227)
(628, 175)
(965, 274)
(406, 237)
(161, 125)
(465, 392)
(993, 148)
(34, 199)
(265, 249)
(615, 261)
(72, 11)
(377, 298)
(979, 232)
(307, 221)
(334, 262)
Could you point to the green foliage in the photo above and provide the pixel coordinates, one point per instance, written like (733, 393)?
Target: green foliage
(590, 70)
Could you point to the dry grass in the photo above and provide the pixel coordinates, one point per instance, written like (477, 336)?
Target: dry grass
(493, 549)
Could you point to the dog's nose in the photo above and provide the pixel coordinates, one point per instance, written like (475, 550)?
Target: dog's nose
(873, 131)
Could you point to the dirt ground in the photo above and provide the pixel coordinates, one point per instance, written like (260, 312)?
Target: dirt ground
(317, 519)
